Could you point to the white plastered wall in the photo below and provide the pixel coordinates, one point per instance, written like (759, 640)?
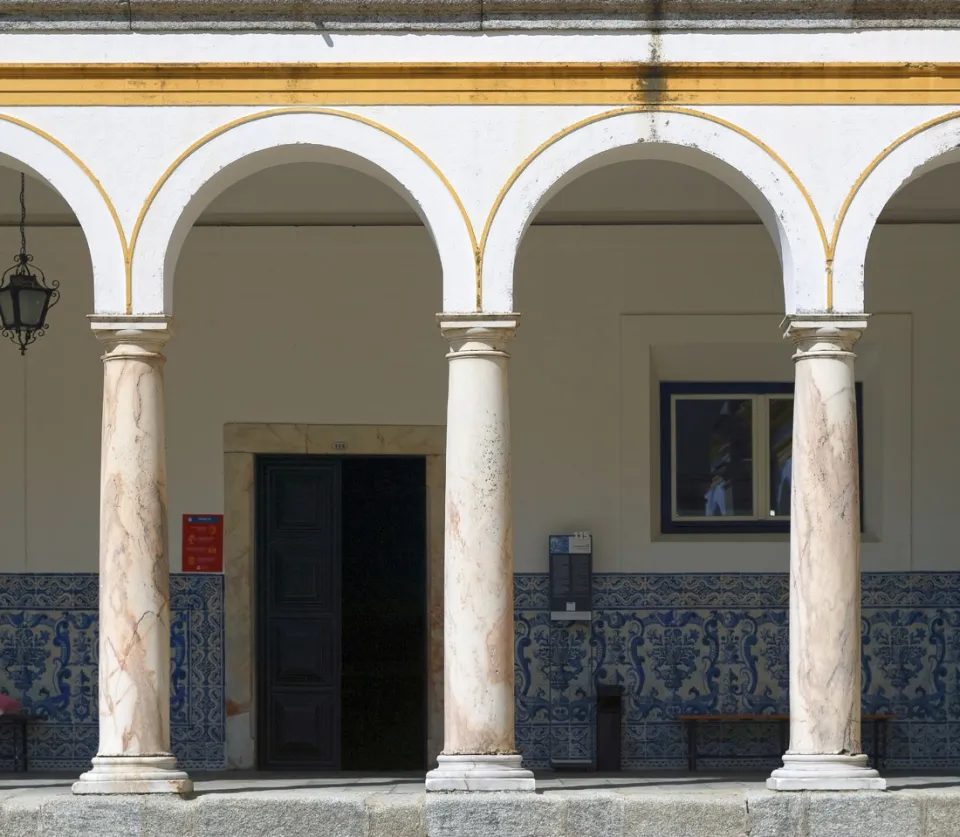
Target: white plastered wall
(680, 135)
(766, 152)
(765, 43)
(357, 343)
(275, 137)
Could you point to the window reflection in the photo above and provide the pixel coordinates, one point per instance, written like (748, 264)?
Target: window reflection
(714, 457)
(781, 455)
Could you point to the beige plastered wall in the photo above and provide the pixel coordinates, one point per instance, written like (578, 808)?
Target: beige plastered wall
(346, 335)
(343, 339)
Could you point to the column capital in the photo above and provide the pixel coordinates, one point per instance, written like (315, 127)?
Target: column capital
(825, 335)
(478, 334)
(131, 336)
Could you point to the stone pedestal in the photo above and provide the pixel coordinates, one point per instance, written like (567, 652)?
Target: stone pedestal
(825, 674)
(134, 693)
(479, 752)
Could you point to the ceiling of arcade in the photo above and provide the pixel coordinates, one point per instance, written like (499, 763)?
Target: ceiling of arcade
(646, 192)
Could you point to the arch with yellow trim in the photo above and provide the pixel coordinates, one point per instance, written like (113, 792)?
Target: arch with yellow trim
(27, 148)
(917, 152)
(262, 140)
(681, 135)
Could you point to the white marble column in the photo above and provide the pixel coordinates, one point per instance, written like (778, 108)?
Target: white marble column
(479, 753)
(134, 690)
(825, 674)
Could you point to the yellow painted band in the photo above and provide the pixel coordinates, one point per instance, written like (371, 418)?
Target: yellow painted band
(893, 146)
(277, 112)
(86, 170)
(597, 83)
(599, 117)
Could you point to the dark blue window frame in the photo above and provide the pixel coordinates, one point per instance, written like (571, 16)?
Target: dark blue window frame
(712, 526)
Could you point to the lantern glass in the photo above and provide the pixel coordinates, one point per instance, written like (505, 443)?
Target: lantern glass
(33, 302)
(6, 308)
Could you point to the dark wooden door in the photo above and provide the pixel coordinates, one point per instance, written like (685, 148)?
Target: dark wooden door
(298, 559)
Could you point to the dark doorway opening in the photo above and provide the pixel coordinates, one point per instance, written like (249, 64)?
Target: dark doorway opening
(341, 601)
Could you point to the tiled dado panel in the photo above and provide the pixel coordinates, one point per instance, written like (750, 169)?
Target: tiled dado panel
(48, 661)
(690, 643)
(676, 643)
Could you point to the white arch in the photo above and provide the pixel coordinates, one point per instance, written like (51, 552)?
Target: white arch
(682, 136)
(272, 138)
(920, 151)
(26, 148)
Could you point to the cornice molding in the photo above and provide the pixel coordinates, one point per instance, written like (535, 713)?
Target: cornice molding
(320, 15)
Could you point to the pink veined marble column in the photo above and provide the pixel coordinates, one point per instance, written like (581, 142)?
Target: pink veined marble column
(479, 752)
(134, 688)
(825, 663)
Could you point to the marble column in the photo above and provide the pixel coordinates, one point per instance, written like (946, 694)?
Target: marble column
(824, 751)
(479, 753)
(134, 688)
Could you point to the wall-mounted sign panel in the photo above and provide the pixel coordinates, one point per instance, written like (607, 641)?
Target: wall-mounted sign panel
(202, 543)
(571, 577)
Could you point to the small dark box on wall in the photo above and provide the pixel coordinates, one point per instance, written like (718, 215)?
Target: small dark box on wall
(571, 577)
(609, 726)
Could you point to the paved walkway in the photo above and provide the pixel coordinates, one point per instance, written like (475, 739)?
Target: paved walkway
(12, 784)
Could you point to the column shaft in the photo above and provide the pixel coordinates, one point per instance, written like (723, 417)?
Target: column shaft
(825, 565)
(134, 668)
(479, 751)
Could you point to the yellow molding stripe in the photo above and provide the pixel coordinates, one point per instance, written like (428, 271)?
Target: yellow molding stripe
(480, 83)
(254, 117)
(919, 129)
(650, 109)
(86, 170)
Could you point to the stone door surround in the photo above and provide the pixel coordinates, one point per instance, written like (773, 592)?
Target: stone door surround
(241, 444)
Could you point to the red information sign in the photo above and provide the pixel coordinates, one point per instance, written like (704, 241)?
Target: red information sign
(203, 543)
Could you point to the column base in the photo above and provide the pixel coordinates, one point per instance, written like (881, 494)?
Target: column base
(134, 774)
(825, 772)
(480, 773)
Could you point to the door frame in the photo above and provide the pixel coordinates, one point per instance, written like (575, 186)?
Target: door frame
(241, 444)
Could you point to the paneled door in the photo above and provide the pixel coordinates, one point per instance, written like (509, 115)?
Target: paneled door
(299, 598)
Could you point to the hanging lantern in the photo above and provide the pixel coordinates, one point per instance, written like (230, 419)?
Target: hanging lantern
(25, 296)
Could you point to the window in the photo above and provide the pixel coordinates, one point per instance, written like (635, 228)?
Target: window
(725, 452)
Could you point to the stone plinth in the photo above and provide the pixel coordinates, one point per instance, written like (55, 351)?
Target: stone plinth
(587, 808)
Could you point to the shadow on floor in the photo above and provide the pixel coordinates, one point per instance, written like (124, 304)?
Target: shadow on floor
(231, 782)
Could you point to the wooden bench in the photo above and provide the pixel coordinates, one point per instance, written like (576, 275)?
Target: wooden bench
(878, 722)
(18, 721)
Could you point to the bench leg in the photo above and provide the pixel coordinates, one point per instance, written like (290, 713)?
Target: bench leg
(16, 743)
(692, 746)
(879, 742)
